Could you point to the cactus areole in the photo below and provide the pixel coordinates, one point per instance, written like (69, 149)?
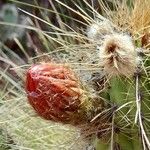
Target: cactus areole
(53, 91)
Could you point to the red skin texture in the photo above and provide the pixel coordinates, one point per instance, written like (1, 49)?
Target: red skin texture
(53, 91)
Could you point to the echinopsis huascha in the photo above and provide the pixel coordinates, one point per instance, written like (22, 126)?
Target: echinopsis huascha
(99, 82)
(117, 106)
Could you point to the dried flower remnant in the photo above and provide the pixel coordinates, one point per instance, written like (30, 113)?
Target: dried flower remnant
(118, 55)
(97, 30)
(54, 92)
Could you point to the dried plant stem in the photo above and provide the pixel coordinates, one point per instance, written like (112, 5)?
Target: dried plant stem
(145, 139)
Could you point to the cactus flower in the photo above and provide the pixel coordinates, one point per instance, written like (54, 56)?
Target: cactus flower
(54, 91)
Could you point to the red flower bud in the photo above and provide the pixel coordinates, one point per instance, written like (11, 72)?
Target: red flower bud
(53, 91)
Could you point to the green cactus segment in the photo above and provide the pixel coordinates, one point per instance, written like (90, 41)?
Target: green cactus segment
(119, 90)
(121, 141)
(101, 145)
(128, 142)
(125, 132)
(145, 94)
(145, 87)
(122, 95)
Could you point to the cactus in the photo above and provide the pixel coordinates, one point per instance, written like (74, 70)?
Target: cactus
(127, 92)
(110, 65)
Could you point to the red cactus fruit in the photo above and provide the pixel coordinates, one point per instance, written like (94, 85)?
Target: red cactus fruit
(53, 91)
